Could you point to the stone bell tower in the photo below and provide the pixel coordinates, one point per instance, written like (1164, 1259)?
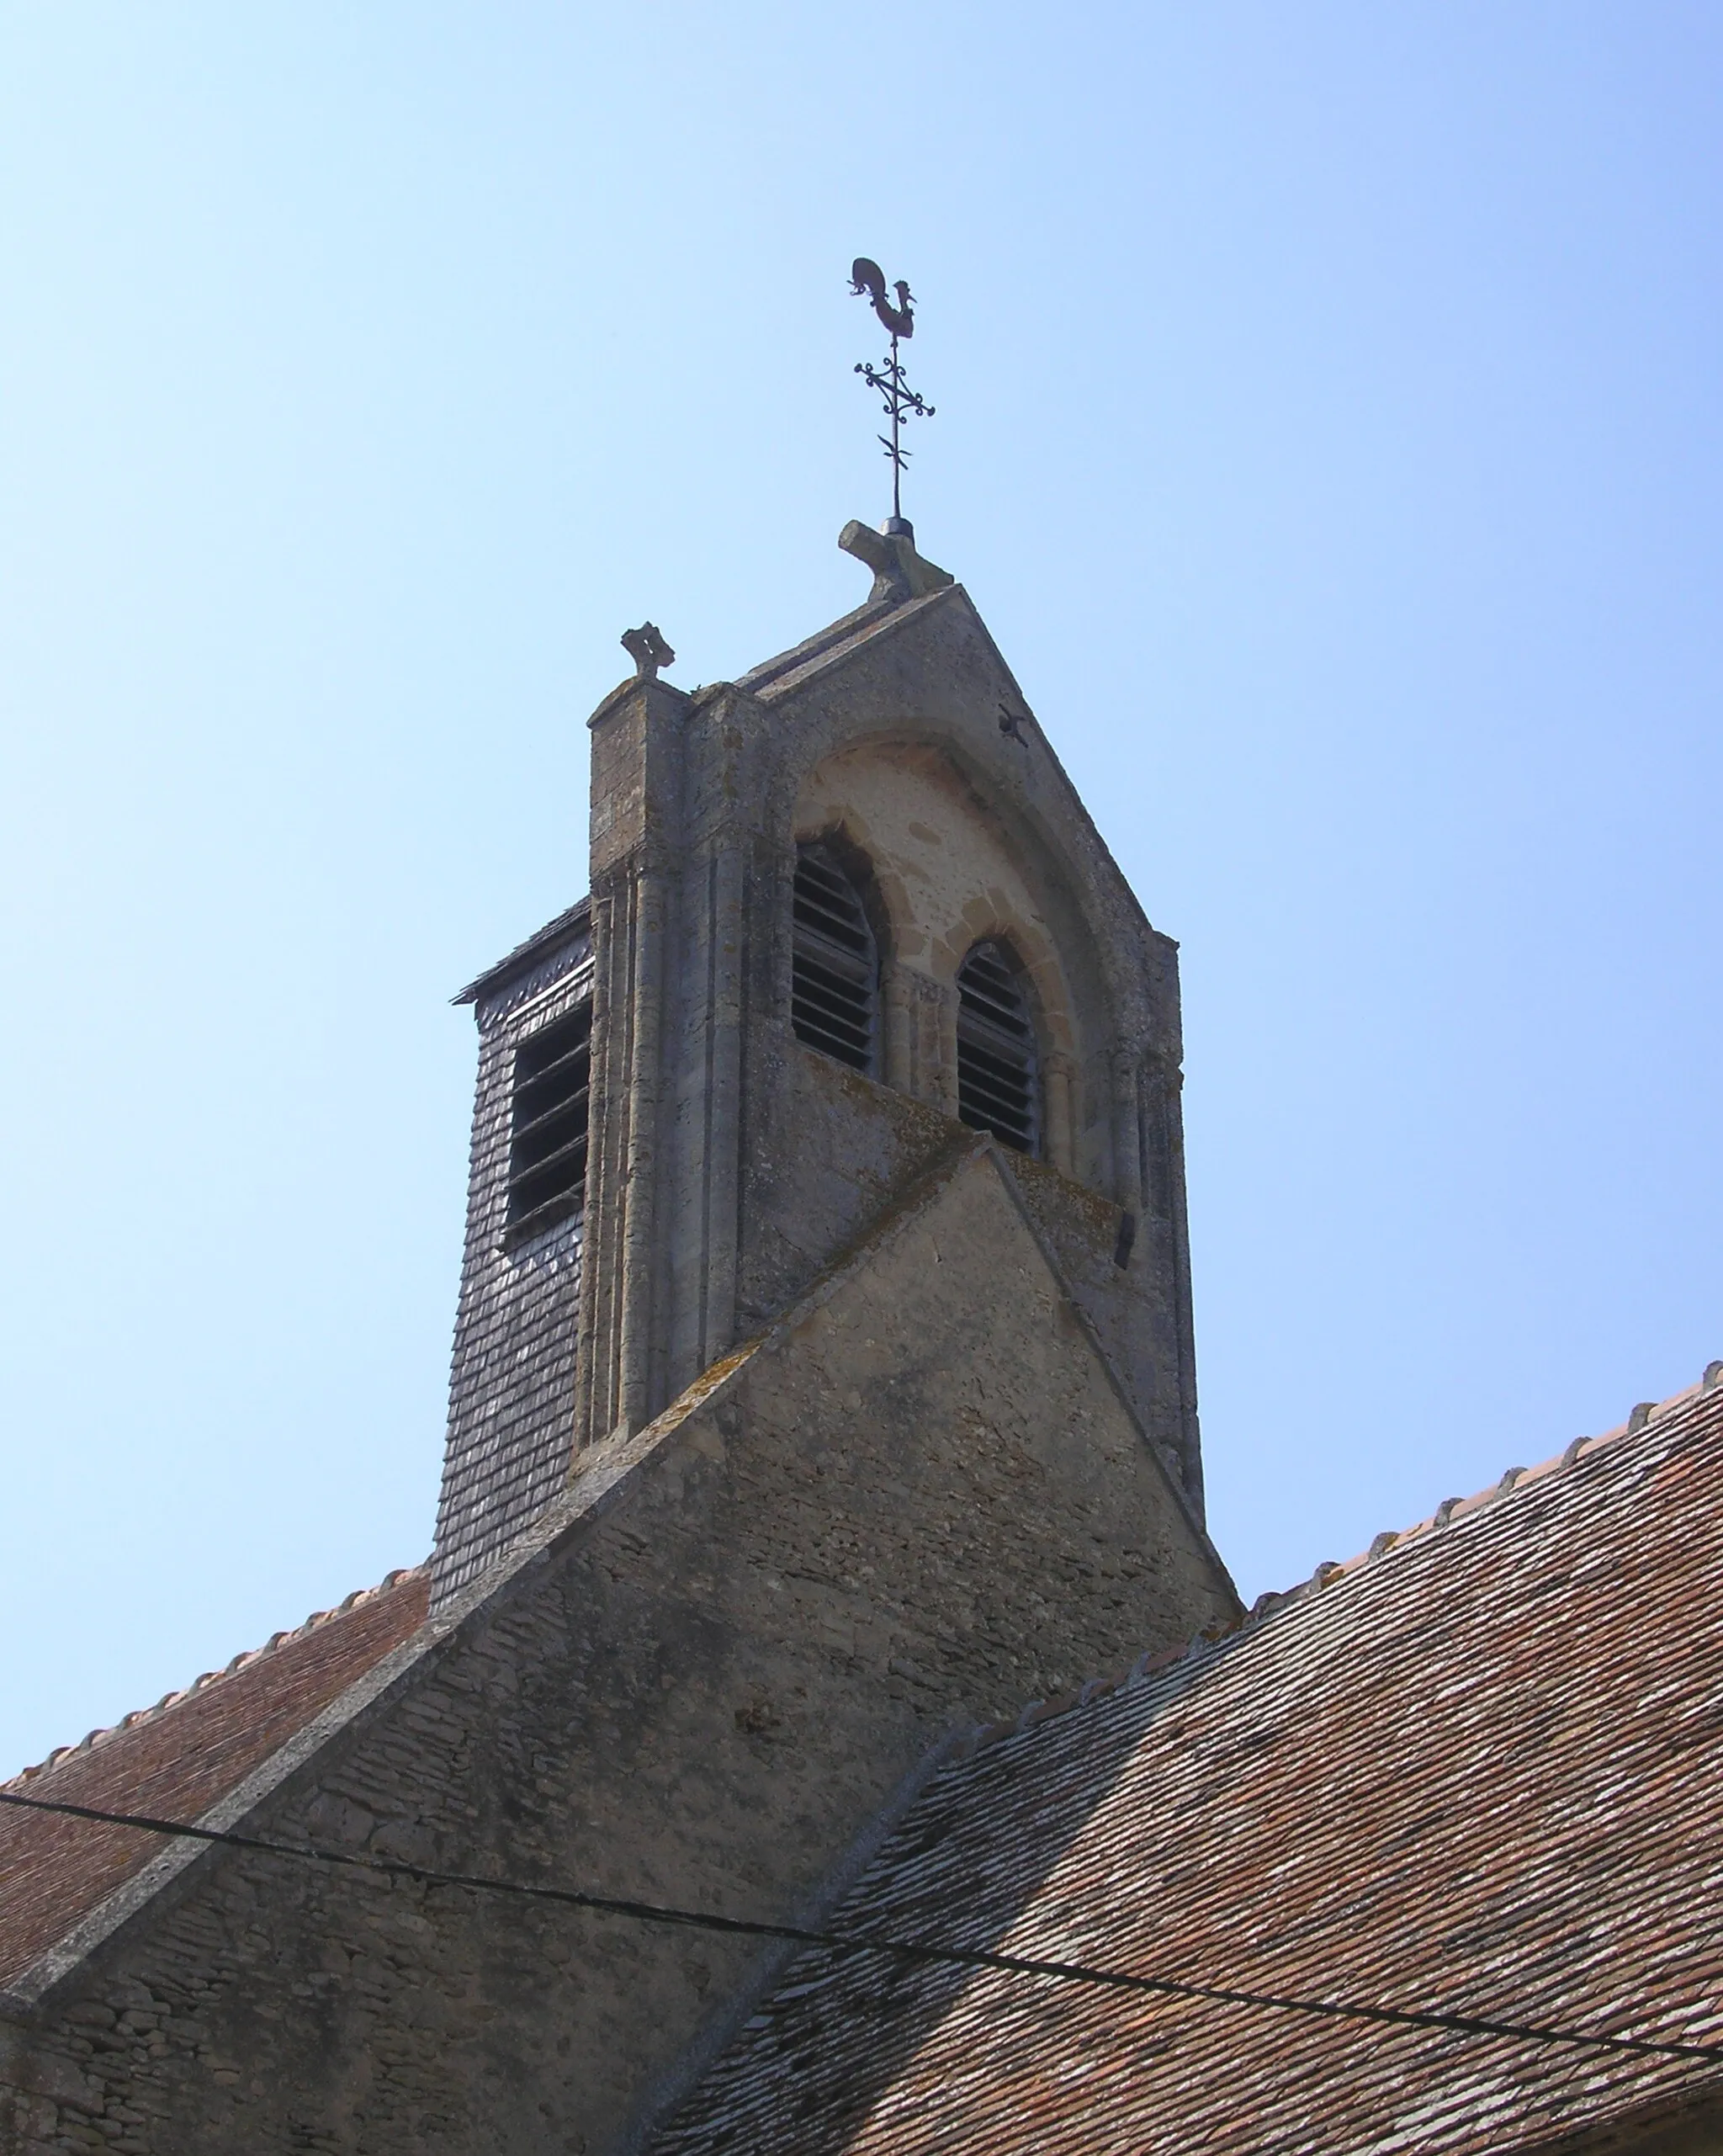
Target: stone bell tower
(821, 1389)
(845, 912)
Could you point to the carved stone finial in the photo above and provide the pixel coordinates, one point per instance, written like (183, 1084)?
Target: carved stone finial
(899, 572)
(647, 650)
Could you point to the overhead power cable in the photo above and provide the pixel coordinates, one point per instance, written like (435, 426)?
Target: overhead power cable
(909, 1950)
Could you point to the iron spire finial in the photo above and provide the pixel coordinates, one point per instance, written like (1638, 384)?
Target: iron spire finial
(901, 401)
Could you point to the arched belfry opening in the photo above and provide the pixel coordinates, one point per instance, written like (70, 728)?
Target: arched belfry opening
(546, 1159)
(845, 914)
(998, 1079)
(835, 965)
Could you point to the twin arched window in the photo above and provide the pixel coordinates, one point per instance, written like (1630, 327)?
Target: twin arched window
(835, 1004)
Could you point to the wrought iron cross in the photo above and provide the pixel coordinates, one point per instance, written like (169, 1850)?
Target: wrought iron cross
(901, 401)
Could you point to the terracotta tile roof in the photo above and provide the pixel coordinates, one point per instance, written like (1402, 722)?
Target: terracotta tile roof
(1479, 1770)
(177, 1758)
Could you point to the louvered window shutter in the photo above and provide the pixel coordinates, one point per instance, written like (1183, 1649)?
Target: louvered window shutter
(997, 1080)
(547, 1160)
(835, 986)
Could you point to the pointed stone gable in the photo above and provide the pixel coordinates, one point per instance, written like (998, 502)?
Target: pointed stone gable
(725, 1159)
(794, 1423)
(700, 1680)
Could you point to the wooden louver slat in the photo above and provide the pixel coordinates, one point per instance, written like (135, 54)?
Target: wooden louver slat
(547, 1162)
(998, 1087)
(835, 968)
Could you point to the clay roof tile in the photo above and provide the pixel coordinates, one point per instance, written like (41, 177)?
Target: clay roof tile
(1387, 1785)
(177, 1758)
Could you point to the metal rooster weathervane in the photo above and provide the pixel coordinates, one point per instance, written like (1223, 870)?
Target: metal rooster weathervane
(901, 401)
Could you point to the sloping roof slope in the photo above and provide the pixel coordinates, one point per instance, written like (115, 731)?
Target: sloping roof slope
(175, 1760)
(790, 669)
(1479, 1771)
(573, 921)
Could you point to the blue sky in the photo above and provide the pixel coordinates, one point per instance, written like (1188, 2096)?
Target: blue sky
(1328, 413)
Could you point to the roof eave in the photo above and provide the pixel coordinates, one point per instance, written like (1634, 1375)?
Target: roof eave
(525, 956)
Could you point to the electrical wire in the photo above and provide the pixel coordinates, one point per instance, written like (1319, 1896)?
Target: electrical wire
(1469, 2024)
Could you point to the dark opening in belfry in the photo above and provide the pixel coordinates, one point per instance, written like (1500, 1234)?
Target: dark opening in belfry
(834, 974)
(997, 1081)
(547, 1154)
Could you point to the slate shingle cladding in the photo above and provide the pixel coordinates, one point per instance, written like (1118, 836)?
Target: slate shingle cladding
(513, 1379)
(1475, 1772)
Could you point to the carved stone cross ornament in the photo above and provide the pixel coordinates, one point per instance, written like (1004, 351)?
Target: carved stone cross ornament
(647, 650)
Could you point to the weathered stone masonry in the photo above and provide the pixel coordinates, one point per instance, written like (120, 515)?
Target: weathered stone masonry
(728, 1164)
(697, 1682)
(829, 1429)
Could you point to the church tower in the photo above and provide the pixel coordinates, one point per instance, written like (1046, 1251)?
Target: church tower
(819, 1553)
(821, 1389)
(845, 913)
